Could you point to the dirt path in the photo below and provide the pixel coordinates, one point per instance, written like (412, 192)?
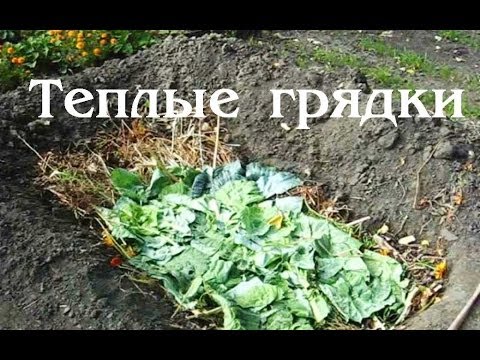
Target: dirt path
(54, 273)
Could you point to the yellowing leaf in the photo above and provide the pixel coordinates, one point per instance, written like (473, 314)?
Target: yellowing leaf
(130, 252)
(108, 238)
(384, 251)
(276, 221)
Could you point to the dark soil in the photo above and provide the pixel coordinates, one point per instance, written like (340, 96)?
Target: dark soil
(55, 272)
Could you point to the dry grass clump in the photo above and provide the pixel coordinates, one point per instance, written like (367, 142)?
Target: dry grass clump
(80, 177)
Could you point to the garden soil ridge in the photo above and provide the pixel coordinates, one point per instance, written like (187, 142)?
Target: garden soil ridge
(54, 272)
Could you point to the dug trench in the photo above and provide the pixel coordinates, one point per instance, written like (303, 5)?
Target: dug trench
(54, 270)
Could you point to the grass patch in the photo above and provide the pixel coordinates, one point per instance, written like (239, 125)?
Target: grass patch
(410, 60)
(460, 37)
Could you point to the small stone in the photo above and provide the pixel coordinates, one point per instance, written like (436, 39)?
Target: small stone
(407, 240)
(37, 124)
(388, 141)
(448, 151)
(66, 310)
(447, 235)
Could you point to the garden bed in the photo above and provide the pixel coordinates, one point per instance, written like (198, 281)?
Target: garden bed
(57, 274)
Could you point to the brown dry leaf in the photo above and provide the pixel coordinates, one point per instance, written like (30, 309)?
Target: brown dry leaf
(138, 129)
(423, 202)
(468, 166)
(458, 198)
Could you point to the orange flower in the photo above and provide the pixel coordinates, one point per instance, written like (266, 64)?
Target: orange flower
(103, 42)
(51, 32)
(71, 33)
(84, 53)
(10, 50)
(113, 41)
(14, 60)
(80, 45)
(20, 60)
(116, 261)
(440, 270)
(104, 35)
(97, 51)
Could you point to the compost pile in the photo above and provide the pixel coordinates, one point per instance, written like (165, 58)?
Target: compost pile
(230, 241)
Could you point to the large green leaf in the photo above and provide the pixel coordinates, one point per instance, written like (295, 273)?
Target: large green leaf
(237, 194)
(277, 184)
(128, 184)
(227, 173)
(253, 294)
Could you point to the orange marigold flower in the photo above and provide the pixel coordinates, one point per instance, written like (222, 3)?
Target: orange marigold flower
(10, 50)
(14, 60)
(103, 42)
(116, 261)
(104, 35)
(97, 51)
(71, 33)
(51, 32)
(21, 60)
(84, 53)
(440, 270)
(113, 41)
(80, 45)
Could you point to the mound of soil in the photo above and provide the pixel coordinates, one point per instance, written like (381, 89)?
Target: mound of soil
(54, 273)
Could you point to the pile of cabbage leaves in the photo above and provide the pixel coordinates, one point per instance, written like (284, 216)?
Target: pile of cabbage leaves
(230, 240)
